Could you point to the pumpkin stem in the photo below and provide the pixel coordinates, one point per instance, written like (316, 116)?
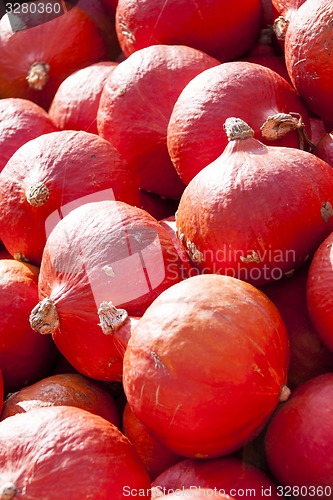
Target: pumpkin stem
(278, 125)
(38, 75)
(284, 394)
(44, 317)
(110, 317)
(280, 27)
(8, 491)
(237, 129)
(37, 194)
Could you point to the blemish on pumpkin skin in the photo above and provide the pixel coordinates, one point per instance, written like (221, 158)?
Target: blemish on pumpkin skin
(109, 271)
(326, 210)
(251, 257)
(157, 361)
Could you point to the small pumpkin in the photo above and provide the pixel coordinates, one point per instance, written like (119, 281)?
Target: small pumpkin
(76, 101)
(20, 121)
(205, 348)
(66, 389)
(228, 474)
(68, 452)
(49, 176)
(156, 457)
(195, 135)
(244, 214)
(135, 107)
(25, 356)
(33, 63)
(102, 265)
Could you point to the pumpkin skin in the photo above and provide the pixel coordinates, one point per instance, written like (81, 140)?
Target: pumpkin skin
(49, 176)
(319, 291)
(308, 356)
(156, 457)
(299, 440)
(76, 43)
(76, 101)
(196, 493)
(244, 214)
(223, 30)
(24, 355)
(20, 121)
(226, 474)
(309, 55)
(187, 343)
(125, 260)
(195, 134)
(1, 392)
(135, 107)
(67, 389)
(83, 454)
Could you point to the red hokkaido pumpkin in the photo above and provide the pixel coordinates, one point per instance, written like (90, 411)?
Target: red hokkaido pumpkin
(135, 107)
(103, 263)
(309, 55)
(227, 475)
(308, 356)
(217, 27)
(195, 135)
(156, 457)
(49, 176)
(299, 440)
(219, 340)
(76, 101)
(33, 63)
(67, 452)
(319, 291)
(324, 148)
(244, 214)
(25, 356)
(66, 389)
(20, 121)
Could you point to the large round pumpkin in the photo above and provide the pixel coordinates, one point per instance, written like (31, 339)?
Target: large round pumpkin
(20, 121)
(309, 55)
(25, 356)
(103, 263)
(33, 63)
(218, 27)
(206, 365)
(63, 389)
(67, 452)
(195, 135)
(49, 176)
(135, 107)
(244, 214)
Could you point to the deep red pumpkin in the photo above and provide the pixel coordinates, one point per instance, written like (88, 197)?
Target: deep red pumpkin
(244, 214)
(67, 452)
(155, 456)
(228, 475)
(103, 263)
(49, 176)
(308, 356)
(324, 148)
(66, 389)
(309, 55)
(76, 101)
(199, 374)
(299, 440)
(195, 132)
(136, 105)
(20, 121)
(319, 291)
(25, 356)
(33, 63)
(221, 29)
